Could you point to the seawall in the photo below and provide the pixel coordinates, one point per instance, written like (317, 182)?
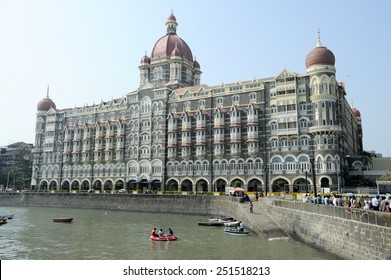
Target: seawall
(354, 234)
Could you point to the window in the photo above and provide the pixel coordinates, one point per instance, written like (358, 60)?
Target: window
(235, 99)
(252, 96)
(219, 101)
(273, 109)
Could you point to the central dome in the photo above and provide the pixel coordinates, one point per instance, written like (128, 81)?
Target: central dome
(167, 44)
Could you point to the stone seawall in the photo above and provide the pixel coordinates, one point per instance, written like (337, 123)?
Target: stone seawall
(173, 204)
(356, 234)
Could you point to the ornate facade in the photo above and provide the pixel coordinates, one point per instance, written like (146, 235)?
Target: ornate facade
(174, 133)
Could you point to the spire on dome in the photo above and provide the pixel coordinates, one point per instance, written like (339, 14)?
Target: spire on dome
(318, 44)
(171, 24)
(47, 92)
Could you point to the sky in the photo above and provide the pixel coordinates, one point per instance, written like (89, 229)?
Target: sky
(88, 51)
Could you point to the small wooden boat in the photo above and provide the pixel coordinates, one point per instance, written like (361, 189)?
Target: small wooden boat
(236, 232)
(231, 224)
(62, 220)
(220, 219)
(3, 221)
(164, 238)
(8, 217)
(213, 224)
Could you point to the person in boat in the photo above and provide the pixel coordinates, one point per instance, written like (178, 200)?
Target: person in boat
(171, 232)
(241, 226)
(160, 233)
(153, 232)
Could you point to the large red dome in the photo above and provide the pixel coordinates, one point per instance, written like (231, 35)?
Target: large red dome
(165, 46)
(320, 55)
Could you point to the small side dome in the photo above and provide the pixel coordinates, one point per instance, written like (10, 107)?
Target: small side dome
(45, 104)
(145, 60)
(196, 64)
(356, 113)
(171, 17)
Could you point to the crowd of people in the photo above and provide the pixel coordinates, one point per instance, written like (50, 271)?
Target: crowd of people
(376, 203)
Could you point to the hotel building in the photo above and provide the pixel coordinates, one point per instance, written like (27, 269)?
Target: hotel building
(281, 133)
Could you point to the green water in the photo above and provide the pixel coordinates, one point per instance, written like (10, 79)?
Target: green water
(117, 235)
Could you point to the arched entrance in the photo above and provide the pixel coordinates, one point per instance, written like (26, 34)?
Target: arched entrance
(108, 186)
(43, 186)
(75, 186)
(301, 185)
(119, 185)
(280, 185)
(143, 185)
(325, 183)
(65, 186)
(131, 185)
(172, 185)
(97, 185)
(202, 185)
(254, 185)
(237, 183)
(187, 186)
(220, 185)
(53, 186)
(85, 185)
(156, 185)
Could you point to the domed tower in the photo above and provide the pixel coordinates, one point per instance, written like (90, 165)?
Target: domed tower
(144, 69)
(171, 61)
(45, 104)
(323, 93)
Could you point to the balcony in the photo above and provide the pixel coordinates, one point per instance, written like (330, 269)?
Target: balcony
(253, 151)
(218, 139)
(218, 153)
(86, 135)
(200, 153)
(172, 127)
(328, 128)
(252, 120)
(218, 123)
(186, 126)
(235, 152)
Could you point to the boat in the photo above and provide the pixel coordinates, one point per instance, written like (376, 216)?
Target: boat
(220, 219)
(164, 238)
(213, 224)
(62, 220)
(231, 224)
(236, 232)
(3, 221)
(8, 217)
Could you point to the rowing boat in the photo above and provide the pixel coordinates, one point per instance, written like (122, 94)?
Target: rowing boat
(213, 224)
(236, 232)
(62, 220)
(164, 238)
(231, 224)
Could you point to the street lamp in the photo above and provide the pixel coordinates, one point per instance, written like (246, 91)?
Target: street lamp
(266, 169)
(306, 179)
(312, 160)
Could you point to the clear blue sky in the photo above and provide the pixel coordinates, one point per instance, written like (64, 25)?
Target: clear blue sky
(88, 51)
